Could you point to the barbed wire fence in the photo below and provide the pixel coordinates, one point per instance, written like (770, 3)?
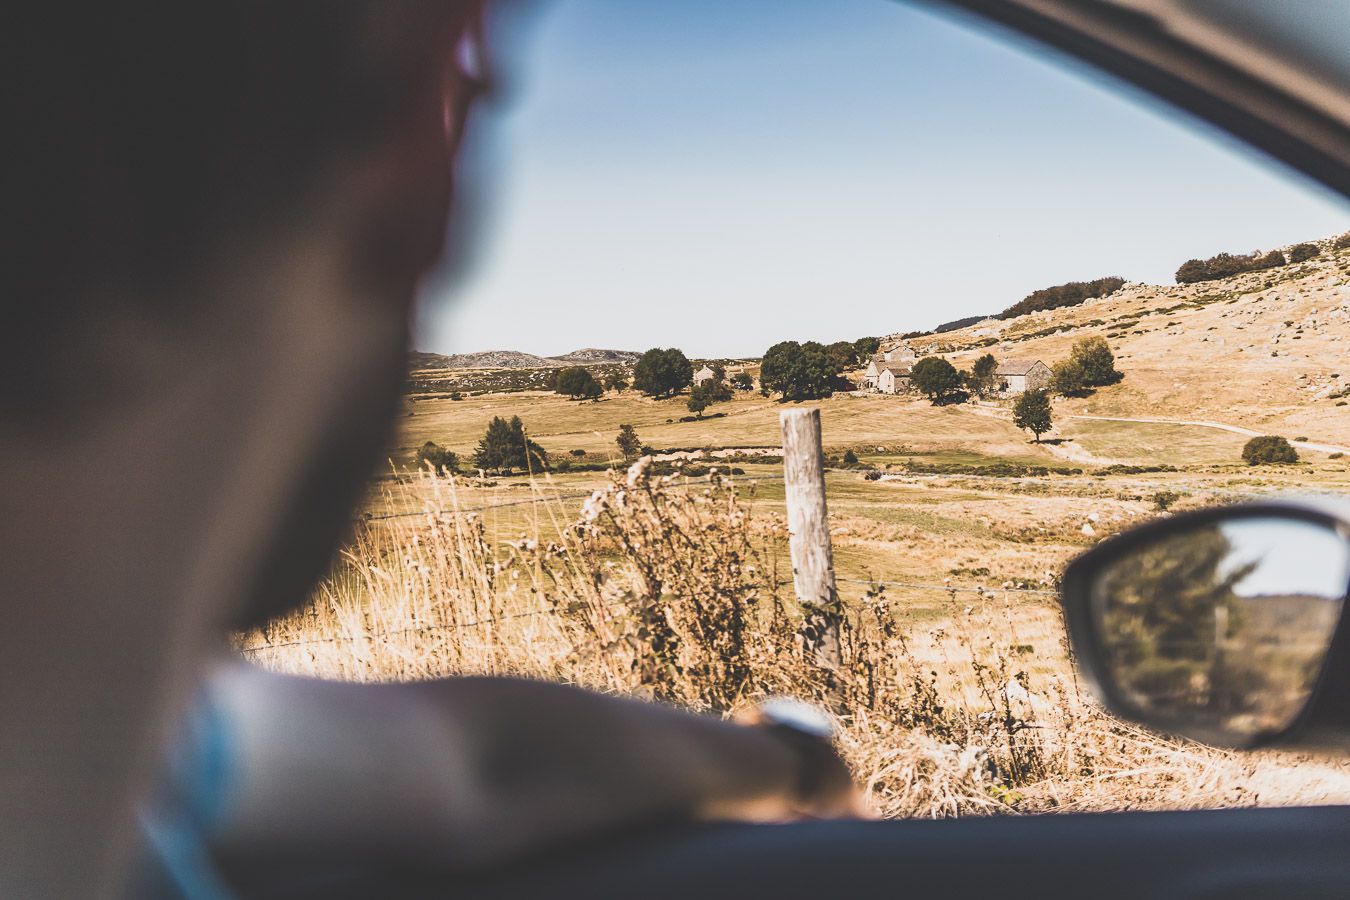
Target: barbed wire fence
(948, 587)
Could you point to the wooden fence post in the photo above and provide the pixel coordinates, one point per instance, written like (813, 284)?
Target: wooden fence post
(809, 533)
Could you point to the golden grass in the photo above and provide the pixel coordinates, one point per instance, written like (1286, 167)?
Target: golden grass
(676, 590)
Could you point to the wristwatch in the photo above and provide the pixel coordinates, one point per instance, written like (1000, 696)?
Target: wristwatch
(809, 732)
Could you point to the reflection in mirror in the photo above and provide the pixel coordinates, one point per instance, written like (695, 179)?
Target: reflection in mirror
(1221, 630)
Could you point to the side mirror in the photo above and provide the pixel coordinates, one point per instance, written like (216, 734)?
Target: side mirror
(1221, 625)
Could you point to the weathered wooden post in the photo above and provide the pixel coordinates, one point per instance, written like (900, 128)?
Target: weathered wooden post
(809, 533)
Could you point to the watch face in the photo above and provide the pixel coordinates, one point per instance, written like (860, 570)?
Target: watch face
(798, 716)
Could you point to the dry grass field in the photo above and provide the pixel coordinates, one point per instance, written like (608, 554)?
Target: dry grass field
(957, 695)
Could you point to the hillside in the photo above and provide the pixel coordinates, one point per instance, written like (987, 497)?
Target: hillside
(1263, 350)
(515, 359)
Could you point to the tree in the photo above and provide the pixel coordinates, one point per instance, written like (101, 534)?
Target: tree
(578, 383)
(698, 400)
(742, 381)
(1097, 361)
(1031, 412)
(505, 446)
(630, 445)
(936, 378)
(982, 375)
(441, 460)
(617, 381)
(1303, 252)
(1069, 379)
(866, 347)
(842, 354)
(662, 373)
(1268, 448)
(798, 371)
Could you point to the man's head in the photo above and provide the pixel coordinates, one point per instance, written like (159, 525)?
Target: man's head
(187, 171)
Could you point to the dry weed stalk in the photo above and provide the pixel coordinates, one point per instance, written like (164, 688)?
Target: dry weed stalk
(668, 588)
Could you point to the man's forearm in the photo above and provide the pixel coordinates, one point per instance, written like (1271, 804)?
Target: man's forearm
(467, 771)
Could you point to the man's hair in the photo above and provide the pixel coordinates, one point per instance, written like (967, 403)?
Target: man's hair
(141, 132)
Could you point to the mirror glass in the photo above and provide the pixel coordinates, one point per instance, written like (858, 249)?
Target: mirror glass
(1220, 631)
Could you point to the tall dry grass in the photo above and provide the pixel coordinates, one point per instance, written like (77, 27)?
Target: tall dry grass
(673, 589)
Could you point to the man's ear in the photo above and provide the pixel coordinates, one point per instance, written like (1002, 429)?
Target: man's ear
(408, 178)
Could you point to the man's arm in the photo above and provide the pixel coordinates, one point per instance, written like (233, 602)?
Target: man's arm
(470, 771)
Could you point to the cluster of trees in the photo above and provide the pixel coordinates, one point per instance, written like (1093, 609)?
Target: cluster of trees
(713, 390)
(805, 371)
(809, 370)
(941, 382)
(1091, 364)
(1072, 293)
(663, 373)
(578, 383)
(1225, 265)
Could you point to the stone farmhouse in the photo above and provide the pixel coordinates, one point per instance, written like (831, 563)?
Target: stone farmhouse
(704, 374)
(901, 357)
(893, 379)
(1016, 376)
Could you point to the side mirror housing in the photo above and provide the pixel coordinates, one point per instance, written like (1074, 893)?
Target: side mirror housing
(1223, 625)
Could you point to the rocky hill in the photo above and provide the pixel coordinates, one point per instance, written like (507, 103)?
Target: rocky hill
(1268, 350)
(515, 359)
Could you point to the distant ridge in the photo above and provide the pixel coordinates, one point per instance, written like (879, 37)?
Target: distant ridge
(515, 359)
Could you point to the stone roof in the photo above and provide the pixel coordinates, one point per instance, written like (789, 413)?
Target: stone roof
(896, 370)
(1017, 366)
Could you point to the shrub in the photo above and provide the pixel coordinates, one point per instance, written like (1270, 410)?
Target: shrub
(441, 460)
(1268, 448)
(1163, 500)
(1225, 265)
(1337, 455)
(742, 381)
(850, 458)
(578, 452)
(456, 395)
(1342, 242)
(1303, 252)
(616, 381)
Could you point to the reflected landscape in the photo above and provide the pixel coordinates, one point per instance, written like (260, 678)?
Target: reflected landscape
(1225, 625)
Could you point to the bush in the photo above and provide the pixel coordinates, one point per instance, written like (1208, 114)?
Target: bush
(1336, 455)
(742, 381)
(1268, 448)
(1342, 242)
(1303, 252)
(1069, 378)
(1225, 265)
(578, 452)
(441, 460)
(1163, 500)
(850, 458)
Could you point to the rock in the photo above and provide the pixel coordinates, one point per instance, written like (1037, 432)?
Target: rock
(1088, 530)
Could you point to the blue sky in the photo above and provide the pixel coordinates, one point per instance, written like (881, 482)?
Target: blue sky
(720, 175)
